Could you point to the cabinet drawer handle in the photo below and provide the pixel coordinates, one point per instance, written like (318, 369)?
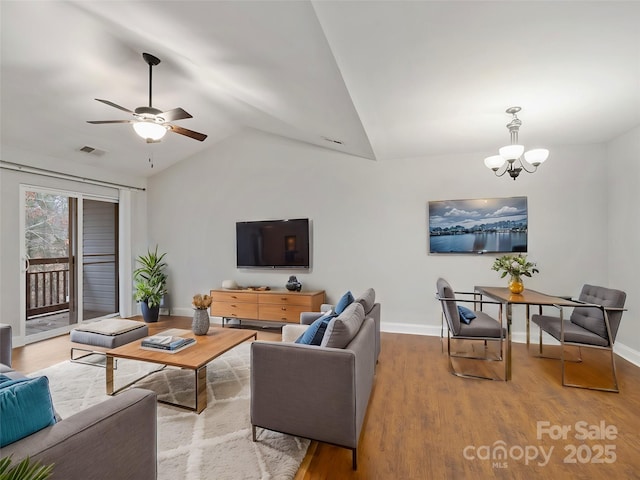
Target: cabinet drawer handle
(283, 308)
(284, 299)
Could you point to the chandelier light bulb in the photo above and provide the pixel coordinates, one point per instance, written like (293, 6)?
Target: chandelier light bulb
(537, 156)
(494, 162)
(150, 130)
(511, 152)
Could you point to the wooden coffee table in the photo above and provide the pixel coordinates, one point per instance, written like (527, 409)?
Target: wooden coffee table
(196, 357)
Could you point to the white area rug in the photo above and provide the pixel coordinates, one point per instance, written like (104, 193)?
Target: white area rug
(215, 445)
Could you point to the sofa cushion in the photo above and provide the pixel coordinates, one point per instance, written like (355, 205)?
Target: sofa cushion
(344, 327)
(315, 333)
(25, 408)
(367, 299)
(344, 302)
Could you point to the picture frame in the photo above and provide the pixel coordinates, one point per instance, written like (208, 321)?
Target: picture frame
(477, 226)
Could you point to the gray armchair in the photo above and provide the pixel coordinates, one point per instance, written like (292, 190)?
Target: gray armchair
(593, 324)
(5, 346)
(483, 327)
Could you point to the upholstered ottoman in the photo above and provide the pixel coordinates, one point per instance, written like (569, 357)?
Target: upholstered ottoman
(108, 333)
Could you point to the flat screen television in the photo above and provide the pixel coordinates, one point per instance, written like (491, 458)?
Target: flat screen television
(485, 225)
(273, 244)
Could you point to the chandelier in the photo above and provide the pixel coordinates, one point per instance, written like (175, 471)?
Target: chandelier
(510, 158)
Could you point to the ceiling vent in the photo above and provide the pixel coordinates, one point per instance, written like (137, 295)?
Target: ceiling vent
(92, 151)
(331, 140)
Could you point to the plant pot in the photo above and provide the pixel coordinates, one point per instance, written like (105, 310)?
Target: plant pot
(149, 314)
(200, 325)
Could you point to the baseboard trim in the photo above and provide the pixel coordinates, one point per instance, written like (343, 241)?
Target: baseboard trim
(627, 353)
(410, 329)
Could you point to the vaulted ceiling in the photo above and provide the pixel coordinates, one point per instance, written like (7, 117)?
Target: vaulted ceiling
(388, 80)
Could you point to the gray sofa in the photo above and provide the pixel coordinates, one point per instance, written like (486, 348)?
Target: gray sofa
(115, 439)
(315, 392)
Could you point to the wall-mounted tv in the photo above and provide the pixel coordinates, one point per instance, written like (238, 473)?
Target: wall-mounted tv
(486, 225)
(273, 244)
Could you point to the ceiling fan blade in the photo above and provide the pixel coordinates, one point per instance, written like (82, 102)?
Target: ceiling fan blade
(175, 114)
(114, 105)
(108, 121)
(189, 133)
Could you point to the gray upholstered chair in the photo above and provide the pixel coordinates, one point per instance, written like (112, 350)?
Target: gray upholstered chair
(594, 324)
(5, 347)
(483, 327)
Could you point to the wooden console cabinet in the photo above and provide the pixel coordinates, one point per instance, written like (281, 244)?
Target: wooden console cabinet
(268, 305)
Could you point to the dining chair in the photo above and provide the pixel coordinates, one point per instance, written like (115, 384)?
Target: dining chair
(592, 324)
(481, 327)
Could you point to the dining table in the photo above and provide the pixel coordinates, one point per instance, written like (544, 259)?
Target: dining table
(527, 298)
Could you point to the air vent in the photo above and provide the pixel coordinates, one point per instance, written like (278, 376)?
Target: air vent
(92, 150)
(332, 140)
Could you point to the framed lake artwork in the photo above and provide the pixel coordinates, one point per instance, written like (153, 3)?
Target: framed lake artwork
(475, 226)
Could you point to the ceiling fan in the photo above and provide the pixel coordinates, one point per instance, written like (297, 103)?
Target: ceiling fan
(149, 122)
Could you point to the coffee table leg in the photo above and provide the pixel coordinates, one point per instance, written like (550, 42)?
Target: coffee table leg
(109, 375)
(201, 389)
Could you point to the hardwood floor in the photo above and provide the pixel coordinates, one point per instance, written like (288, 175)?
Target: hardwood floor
(424, 423)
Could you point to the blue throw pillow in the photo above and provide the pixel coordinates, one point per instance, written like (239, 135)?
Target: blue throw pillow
(314, 334)
(346, 300)
(466, 315)
(25, 408)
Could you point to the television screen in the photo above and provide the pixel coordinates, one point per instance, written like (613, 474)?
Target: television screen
(487, 225)
(273, 244)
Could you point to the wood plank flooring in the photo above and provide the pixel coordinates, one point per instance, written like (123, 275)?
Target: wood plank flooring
(424, 423)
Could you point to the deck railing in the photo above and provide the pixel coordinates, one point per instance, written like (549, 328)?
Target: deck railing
(47, 285)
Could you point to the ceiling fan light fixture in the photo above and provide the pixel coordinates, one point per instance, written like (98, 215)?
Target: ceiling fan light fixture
(150, 130)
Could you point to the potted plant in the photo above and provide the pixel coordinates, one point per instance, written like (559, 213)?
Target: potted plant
(150, 283)
(24, 470)
(517, 266)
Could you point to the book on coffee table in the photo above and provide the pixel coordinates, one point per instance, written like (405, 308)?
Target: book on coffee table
(166, 343)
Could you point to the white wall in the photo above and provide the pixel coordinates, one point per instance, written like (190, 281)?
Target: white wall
(370, 221)
(623, 155)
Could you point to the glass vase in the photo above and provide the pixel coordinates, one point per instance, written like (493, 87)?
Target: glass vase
(515, 284)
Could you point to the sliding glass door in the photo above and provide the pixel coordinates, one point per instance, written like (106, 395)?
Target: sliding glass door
(70, 259)
(99, 259)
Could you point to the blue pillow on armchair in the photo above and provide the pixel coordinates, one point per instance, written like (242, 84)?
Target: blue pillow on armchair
(466, 315)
